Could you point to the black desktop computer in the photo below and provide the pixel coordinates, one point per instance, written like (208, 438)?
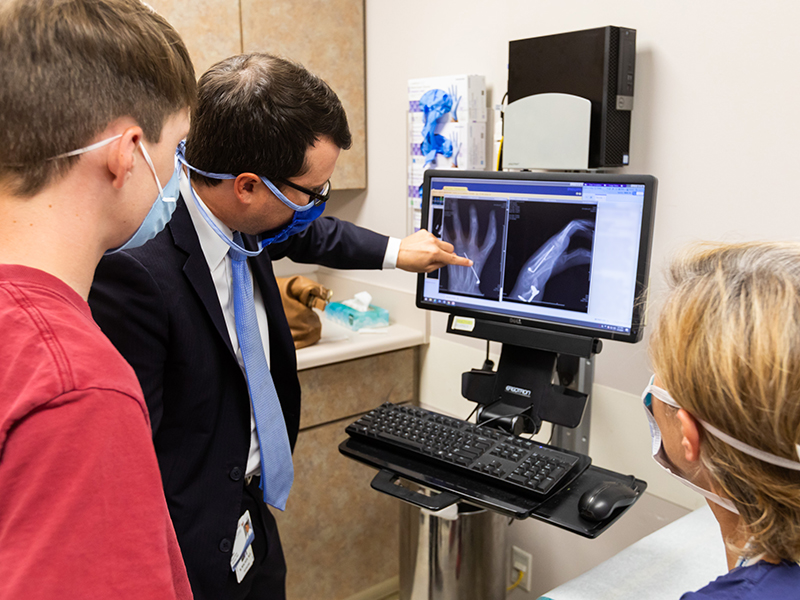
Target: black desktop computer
(570, 97)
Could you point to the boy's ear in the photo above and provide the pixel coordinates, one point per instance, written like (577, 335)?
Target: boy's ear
(122, 155)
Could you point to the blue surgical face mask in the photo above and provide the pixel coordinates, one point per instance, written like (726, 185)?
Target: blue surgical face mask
(302, 216)
(163, 207)
(661, 458)
(161, 211)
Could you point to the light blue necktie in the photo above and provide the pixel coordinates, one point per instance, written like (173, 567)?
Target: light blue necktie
(277, 472)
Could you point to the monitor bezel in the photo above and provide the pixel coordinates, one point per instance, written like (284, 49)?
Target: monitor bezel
(642, 270)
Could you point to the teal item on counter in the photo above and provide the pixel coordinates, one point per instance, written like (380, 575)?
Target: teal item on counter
(354, 319)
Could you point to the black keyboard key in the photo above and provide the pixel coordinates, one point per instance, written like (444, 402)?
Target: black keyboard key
(518, 478)
(400, 441)
(468, 453)
(545, 485)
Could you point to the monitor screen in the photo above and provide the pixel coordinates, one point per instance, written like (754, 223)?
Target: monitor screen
(559, 251)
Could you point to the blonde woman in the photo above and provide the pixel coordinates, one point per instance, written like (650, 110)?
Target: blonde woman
(724, 405)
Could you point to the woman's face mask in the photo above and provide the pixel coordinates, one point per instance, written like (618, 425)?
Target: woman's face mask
(660, 455)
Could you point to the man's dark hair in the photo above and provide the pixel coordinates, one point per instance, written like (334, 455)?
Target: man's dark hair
(257, 113)
(68, 68)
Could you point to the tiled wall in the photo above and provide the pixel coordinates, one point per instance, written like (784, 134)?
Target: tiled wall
(326, 37)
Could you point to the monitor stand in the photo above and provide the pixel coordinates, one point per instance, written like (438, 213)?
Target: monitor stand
(521, 394)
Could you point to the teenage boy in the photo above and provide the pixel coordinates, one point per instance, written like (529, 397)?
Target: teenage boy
(94, 98)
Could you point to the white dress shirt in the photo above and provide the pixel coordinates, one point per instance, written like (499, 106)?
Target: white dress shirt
(216, 254)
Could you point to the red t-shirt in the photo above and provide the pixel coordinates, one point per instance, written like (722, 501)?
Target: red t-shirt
(82, 511)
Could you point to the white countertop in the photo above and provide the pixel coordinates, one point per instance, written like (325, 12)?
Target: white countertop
(409, 325)
(340, 343)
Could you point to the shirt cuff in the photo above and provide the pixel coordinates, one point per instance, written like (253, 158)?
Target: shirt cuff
(392, 251)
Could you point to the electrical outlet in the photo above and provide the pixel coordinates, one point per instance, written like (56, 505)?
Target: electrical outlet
(521, 561)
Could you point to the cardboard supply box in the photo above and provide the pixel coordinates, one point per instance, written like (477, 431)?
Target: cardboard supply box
(469, 152)
(468, 140)
(464, 128)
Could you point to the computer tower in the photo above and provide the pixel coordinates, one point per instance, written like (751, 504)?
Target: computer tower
(570, 97)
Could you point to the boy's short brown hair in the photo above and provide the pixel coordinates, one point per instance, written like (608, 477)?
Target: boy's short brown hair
(69, 68)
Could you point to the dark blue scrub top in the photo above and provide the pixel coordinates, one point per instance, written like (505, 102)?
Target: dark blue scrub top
(762, 581)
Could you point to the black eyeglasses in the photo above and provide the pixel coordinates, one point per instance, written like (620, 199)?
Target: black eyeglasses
(318, 197)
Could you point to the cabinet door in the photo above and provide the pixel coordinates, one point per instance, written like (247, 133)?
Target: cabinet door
(326, 37)
(209, 28)
(339, 536)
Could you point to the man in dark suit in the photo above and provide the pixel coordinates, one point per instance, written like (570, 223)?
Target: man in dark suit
(263, 143)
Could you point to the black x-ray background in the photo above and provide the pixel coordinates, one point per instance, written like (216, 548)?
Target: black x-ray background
(532, 224)
(490, 274)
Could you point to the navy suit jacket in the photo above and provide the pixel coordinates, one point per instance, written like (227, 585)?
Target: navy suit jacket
(159, 307)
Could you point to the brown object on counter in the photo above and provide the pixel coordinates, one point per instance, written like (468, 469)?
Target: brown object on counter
(299, 296)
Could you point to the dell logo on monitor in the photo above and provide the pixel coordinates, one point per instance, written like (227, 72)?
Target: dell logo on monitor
(515, 321)
(518, 391)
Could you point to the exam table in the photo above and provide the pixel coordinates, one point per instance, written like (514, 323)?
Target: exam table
(680, 557)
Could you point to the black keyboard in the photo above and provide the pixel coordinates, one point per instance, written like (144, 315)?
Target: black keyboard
(527, 467)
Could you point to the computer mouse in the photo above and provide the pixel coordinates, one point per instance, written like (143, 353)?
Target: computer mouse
(601, 501)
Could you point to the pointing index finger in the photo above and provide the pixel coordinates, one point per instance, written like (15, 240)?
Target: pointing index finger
(455, 259)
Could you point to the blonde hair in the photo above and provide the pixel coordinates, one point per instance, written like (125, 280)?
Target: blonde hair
(727, 348)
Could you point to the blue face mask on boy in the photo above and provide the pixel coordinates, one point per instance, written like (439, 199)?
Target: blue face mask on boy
(161, 211)
(162, 208)
(302, 216)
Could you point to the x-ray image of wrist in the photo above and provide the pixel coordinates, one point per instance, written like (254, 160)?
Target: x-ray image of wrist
(551, 259)
(467, 279)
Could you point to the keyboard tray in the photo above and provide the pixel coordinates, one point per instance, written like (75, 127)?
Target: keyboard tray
(499, 458)
(560, 509)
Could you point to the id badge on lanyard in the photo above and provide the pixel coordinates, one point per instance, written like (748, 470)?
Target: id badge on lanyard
(242, 557)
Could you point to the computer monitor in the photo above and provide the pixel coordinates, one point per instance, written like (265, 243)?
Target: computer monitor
(560, 252)
(560, 261)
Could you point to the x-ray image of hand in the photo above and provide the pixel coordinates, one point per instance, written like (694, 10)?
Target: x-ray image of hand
(453, 91)
(551, 259)
(456, 150)
(467, 279)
